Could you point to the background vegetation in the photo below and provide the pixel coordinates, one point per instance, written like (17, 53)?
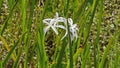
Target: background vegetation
(23, 44)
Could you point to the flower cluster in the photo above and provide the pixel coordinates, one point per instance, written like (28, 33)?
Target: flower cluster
(54, 23)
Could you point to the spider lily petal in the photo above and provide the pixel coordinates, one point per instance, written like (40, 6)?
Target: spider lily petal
(70, 21)
(46, 29)
(46, 21)
(65, 35)
(57, 15)
(60, 26)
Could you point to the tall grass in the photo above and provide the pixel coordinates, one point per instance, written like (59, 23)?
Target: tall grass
(30, 48)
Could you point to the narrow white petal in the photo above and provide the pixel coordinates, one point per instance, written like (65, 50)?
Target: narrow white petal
(72, 37)
(47, 21)
(57, 15)
(70, 21)
(65, 35)
(52, 22)
(60, 26)
(61, 19)
(76, 36)
(46, 29)
(55, 30)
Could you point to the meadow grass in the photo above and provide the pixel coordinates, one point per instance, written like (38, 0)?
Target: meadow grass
(30, 49)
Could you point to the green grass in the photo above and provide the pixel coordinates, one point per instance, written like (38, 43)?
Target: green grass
(23, 28)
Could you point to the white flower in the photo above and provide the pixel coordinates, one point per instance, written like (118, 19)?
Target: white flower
(73, 30)
(53, 23)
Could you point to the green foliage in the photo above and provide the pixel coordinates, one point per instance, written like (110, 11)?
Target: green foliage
(31, 47)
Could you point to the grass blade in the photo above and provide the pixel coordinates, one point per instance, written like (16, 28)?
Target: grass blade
(7, 47)
(6, 21)
(9, 53)
(60, 56)
(96, 43)
(102, 63)
(16, 63)
(1, 2)
(43, 58)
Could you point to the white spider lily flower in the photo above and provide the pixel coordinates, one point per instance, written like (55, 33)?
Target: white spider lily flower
(50, 23)
(73, 30)
(53, 23)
